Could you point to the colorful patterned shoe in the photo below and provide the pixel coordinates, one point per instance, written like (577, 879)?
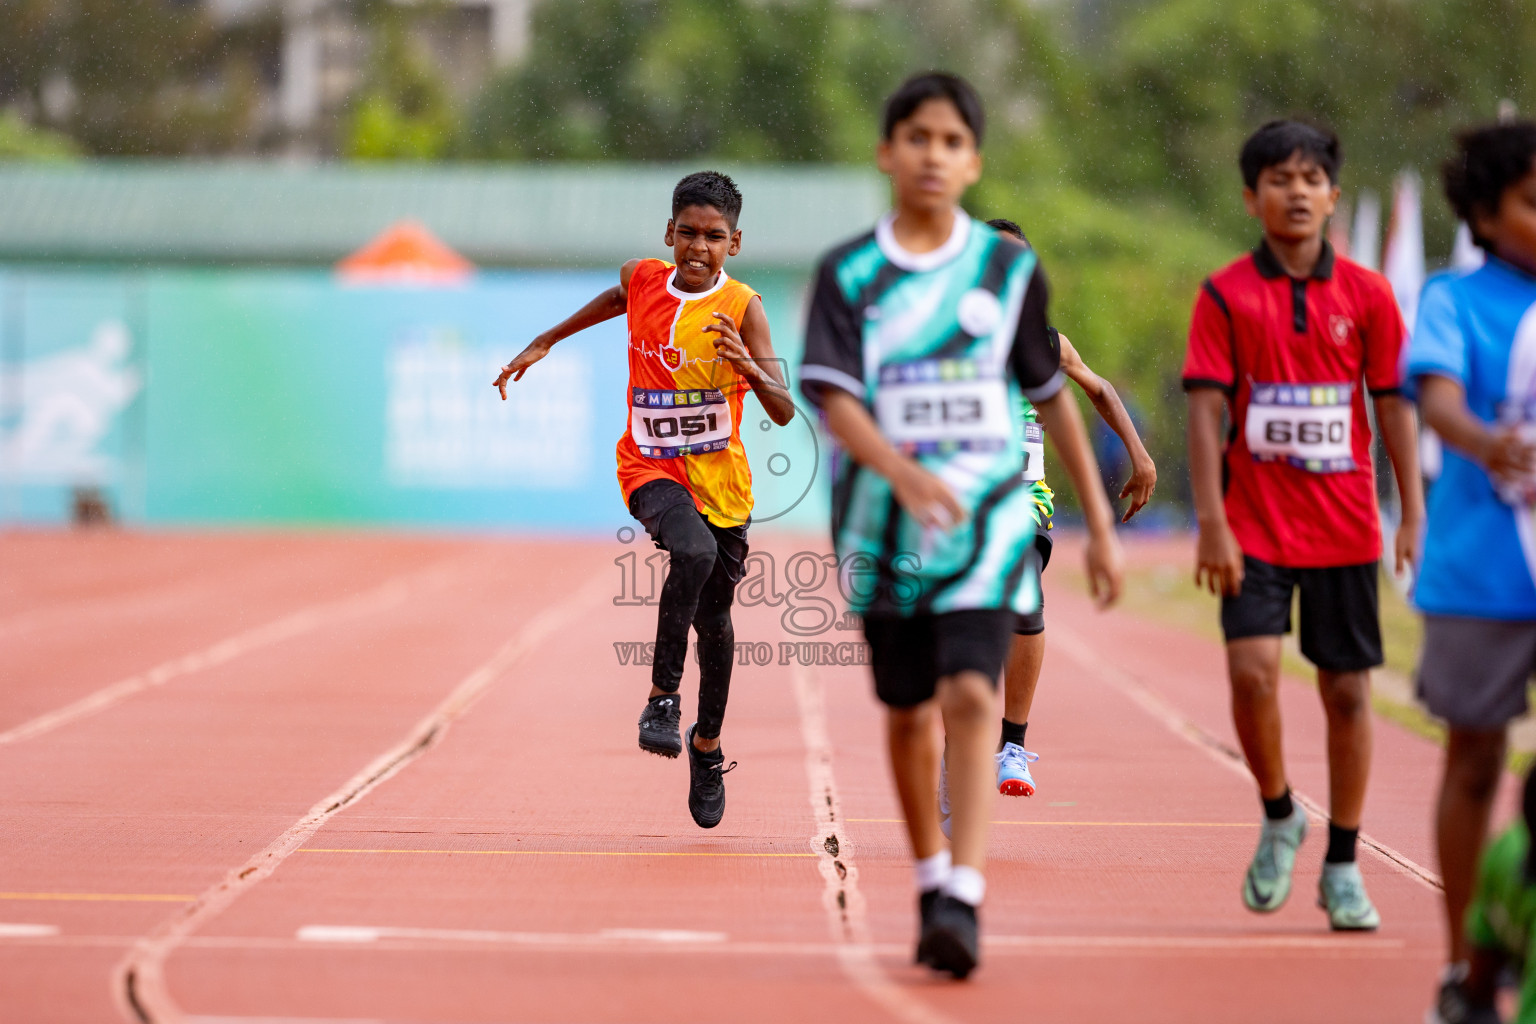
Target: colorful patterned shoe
(1013, 778)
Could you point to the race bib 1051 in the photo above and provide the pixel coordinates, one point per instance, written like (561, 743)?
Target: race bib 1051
(1306, 425)
(668, 424)
(943, 405)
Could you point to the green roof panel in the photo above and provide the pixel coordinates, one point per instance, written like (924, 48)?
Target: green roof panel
(496, 215)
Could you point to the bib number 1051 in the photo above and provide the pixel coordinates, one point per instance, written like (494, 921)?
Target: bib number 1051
(662, 428)
(669, 424)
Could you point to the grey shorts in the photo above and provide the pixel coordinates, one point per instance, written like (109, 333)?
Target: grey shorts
(1473, 672)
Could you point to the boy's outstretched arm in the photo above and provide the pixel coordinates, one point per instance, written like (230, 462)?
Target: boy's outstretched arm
(607, 305)
(1106, 562)
(1218, 556)
(750, 350)
(1105, 399)
(1400, 435)
(925, 497)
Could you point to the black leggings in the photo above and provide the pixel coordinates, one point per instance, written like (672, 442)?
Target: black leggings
(706, 564)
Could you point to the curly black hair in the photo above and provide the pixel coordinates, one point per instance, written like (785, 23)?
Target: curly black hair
(1008, 227)
(1489, 159)
(708, 188)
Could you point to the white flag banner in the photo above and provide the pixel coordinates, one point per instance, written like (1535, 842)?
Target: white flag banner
(1366, 247)
(1465, 255)
(1403, 261)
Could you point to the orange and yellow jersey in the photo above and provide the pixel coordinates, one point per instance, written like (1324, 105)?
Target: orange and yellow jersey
(684, 399)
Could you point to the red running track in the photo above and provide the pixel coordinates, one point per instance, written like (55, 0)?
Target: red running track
(324, 778)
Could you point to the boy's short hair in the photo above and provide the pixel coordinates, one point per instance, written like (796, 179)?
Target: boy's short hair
(1276, 141)
(934, 85)
(708, 188)
(1008, 227)
(1489, 158)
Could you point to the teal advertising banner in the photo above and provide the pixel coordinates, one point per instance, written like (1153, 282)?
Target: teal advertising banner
(265, 397)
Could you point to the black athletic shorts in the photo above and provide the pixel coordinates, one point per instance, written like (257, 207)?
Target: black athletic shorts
(655, 498)
(1033, 624)
(1340, 621)
(910, 656)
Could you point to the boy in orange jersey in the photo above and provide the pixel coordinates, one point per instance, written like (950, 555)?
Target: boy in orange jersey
(698, 340)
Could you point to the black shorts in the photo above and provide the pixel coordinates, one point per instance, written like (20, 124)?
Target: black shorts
(1033, 624)
(652, 500)
(1340, 620)
(910, 656)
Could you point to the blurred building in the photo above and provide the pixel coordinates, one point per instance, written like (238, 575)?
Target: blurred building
(326, 46)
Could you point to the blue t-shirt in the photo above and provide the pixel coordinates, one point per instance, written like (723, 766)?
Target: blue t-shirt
(1479, 329)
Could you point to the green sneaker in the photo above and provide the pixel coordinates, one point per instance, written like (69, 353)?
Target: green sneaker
(1269, 875)
(1341, 892)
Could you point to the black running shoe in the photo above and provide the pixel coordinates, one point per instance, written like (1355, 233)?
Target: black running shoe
(706, 788)
(658, 725)
(1454, 1006)
(949, 938)
(925, 901)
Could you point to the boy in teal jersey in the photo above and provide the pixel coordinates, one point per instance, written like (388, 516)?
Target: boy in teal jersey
(921, 337)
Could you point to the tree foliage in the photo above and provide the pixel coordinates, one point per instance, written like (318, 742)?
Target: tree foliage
(128, 77)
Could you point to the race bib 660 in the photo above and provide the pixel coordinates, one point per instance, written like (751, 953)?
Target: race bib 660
(1306, 425)
(668, 424)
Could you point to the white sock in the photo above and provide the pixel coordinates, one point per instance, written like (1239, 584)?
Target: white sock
(966, 885)
(933, 872)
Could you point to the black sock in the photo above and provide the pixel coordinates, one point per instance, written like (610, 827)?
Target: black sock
(1341, 844)
(1280, 807)
(661, 696)
(1013, 732)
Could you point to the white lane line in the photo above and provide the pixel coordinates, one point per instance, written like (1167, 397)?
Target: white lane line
(606, 937)
(141, 988)
(284, 1020)
(833, 846)
(27, 931)
(1355, 947)
(306, 620)
(1219, 751)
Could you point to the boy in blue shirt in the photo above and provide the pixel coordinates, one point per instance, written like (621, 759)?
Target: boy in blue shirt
(1472, 362)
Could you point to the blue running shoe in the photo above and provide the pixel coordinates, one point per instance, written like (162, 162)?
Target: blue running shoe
(1013, 778)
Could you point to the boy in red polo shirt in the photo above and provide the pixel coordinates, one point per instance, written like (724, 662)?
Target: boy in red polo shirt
(1286, 340)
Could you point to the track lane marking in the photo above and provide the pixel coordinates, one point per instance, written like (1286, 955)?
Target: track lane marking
(366, 934)
(27, 931)
(845, 906)
(139, 981)
(1163, 711)
(295, 624)
(570, 853)
(98, 897)
(1105, 824)
(1034, 946)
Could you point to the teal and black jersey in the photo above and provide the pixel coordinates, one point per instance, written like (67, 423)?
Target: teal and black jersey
(940, 346)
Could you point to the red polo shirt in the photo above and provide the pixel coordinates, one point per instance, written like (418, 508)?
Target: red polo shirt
(1294, 358)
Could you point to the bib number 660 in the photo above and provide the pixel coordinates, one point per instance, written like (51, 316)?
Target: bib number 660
(1304, 432)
